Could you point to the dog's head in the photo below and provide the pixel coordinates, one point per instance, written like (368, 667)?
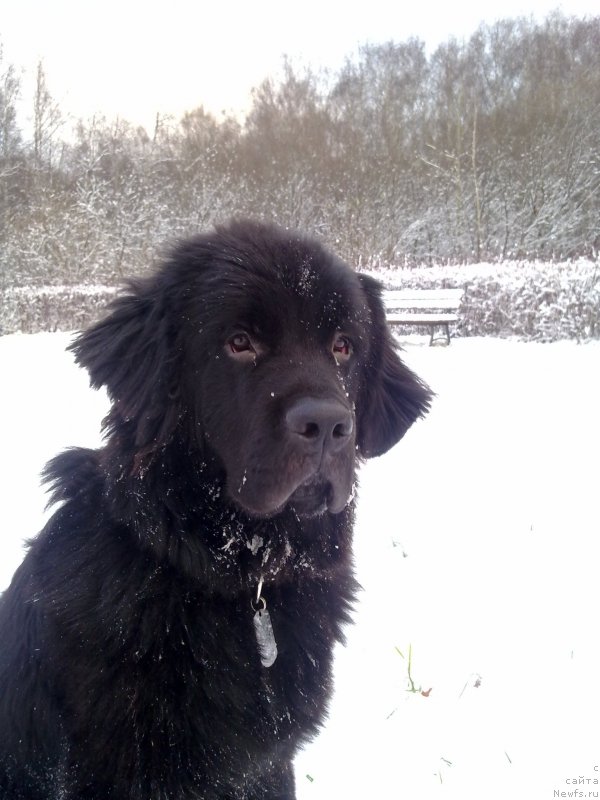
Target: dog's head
(268, 353)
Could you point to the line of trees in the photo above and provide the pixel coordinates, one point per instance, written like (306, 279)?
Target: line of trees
(486, 149)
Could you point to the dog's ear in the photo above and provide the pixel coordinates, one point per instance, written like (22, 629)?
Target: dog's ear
(133, 354)
(391, 397)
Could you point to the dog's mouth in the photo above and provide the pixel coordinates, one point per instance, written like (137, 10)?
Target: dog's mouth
(316, 494)
(313, 497)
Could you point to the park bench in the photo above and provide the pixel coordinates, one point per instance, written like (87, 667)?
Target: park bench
(433, 308)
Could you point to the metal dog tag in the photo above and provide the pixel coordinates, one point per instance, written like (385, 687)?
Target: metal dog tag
(265, 638)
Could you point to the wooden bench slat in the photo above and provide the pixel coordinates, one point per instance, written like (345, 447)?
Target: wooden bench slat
(421, 302)
(442, 294)
(422, 319)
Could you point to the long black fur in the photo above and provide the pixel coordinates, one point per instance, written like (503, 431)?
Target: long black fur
(129, 667)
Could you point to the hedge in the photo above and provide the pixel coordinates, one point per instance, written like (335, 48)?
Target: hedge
(533, 301)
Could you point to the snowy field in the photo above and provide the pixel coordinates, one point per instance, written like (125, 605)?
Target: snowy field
(477, 545)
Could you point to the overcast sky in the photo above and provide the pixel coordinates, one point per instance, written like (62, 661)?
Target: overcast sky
(134, 58)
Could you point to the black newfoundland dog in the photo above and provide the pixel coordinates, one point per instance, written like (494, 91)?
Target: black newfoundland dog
(169, 634)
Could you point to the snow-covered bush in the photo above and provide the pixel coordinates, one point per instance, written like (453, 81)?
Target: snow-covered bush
(29, 309)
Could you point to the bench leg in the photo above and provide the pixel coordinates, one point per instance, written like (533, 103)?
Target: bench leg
(446, 328)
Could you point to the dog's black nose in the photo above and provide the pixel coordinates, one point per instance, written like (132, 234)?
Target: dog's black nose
(320, 423)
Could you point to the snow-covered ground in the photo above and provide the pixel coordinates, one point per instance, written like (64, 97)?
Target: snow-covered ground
(477, 545)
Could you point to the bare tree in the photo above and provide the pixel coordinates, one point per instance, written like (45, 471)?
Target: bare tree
(47, 120)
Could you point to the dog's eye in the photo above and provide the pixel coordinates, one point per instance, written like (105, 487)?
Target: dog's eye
(240, 343)
(342, 347)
